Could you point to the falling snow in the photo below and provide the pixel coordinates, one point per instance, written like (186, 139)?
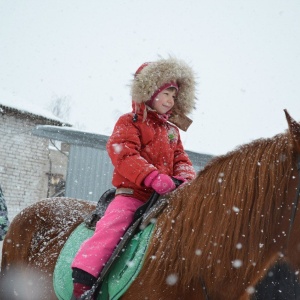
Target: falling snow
(237, 263)
(172, 279)
(117, 148)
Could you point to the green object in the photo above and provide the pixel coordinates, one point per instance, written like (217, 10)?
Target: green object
(4, 223)
(121, 275)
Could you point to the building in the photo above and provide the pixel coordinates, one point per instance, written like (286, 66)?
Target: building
(25, 159)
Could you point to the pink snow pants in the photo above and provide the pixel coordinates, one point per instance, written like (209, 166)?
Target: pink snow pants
(96, 251)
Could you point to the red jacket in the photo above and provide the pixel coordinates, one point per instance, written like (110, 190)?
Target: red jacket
(138, 148)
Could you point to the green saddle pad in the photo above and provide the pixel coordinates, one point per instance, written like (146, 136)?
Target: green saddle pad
(121, 275)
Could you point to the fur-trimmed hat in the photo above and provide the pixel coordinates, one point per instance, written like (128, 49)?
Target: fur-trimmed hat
(151, 77)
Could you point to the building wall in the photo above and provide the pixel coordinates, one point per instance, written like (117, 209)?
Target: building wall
(58, 165)
(89, 173)
(24, 162)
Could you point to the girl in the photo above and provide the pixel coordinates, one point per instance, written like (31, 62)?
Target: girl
(146, 151)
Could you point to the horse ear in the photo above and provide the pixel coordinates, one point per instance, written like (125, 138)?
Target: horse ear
(294, 129)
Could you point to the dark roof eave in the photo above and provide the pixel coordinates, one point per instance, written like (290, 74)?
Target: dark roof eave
(15, 111)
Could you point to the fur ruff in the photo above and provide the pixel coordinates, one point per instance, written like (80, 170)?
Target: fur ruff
(163, 71)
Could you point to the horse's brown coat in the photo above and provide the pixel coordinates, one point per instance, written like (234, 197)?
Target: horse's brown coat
(225, 228)
(33, 243)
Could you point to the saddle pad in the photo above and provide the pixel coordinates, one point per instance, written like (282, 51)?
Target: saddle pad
(121, 275)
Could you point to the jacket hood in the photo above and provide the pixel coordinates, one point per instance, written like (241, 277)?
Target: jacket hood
(150, 77)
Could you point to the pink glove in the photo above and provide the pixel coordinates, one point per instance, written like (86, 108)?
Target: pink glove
(161, 183)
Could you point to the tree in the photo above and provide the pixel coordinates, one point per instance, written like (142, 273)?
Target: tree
(61, 107)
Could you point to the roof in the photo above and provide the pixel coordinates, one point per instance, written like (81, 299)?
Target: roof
(71, 136)
(15, 107)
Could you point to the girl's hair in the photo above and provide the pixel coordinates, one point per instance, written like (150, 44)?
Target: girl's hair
(171, 88)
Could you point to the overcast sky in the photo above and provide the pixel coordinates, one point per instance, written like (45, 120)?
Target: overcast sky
(246, 54)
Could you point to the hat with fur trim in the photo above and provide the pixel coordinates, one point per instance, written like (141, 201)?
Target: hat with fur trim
(153, 77)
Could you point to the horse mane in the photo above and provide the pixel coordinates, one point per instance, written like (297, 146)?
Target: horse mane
(225, 215)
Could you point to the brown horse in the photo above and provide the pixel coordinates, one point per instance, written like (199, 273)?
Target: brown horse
(215, 240)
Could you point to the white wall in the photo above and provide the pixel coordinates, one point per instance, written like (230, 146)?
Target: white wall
(23, 163)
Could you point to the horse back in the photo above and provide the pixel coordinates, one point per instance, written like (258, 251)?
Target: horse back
(34, 241)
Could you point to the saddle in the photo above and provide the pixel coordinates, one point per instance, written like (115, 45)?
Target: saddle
(91, 219)
(148, 211)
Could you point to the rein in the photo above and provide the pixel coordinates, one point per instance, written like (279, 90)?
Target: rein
(292, 219)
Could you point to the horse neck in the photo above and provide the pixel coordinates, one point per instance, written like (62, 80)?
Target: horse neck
(293, 218)
(227, 215)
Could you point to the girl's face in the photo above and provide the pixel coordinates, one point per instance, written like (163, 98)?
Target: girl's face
(164, 101)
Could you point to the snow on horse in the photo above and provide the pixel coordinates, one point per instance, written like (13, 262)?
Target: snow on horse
(216, 239)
